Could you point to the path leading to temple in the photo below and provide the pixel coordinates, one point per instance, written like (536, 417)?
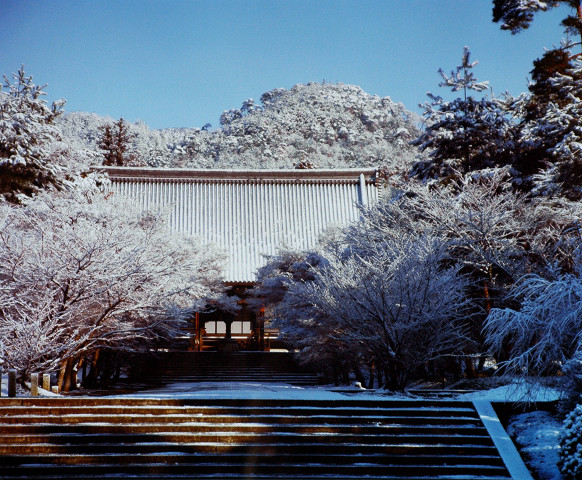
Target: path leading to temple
(228, 438)
(263, 367)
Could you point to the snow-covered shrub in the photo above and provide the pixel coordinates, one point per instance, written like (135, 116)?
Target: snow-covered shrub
(570, 455)
(572, 384)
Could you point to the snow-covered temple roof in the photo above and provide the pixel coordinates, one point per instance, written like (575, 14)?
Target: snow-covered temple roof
(250, 213)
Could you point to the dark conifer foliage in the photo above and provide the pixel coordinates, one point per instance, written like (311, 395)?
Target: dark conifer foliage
(116, 144)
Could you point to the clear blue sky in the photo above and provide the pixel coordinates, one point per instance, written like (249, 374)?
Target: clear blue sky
(174, 63)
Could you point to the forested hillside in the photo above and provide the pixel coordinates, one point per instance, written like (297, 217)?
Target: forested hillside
(313, 125)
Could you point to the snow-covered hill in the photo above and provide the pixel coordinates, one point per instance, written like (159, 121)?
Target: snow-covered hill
(321, 125)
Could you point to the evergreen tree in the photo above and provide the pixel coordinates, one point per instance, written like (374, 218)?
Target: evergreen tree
(464, 134)
(517, 15)
(559, 131)
(25, 130)
(549, 152)
(115, 143)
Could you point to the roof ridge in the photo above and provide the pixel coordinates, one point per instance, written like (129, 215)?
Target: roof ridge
(227, 174)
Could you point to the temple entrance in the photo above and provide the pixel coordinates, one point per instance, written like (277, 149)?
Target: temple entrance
(232, 332)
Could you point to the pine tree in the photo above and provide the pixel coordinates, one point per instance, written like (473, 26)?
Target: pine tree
(560, 134)
(25, 130)
(464, 134)
(517, 15)
(549, 151)
(115, 143)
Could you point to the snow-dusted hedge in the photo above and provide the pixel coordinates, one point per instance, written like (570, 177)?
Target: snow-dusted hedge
(570, 455)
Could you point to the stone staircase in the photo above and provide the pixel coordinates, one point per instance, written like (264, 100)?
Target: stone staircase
(264, 367)
(90, 438)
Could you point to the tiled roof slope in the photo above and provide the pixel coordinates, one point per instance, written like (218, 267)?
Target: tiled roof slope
(250, 213)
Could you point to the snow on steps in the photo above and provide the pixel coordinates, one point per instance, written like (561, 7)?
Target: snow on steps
(229, 438)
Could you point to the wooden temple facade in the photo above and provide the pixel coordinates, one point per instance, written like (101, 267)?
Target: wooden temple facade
(251, 214)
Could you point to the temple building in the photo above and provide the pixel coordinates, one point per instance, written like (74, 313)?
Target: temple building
(251, 214)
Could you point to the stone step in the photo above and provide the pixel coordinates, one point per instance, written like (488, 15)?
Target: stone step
(254, 458)
(387, 408)
(133, 434)
(222, 403)
(165, 378)
(236, 412)
(378, 425)
(247, 470)
(247, 449)
(278, 367)
(89, 437)
(256, 476)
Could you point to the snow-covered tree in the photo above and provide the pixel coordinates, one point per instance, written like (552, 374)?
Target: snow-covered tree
(538, 329)
(517, 15)
(82, 270)
(558, 132)
(25, 129)
(399, 309)
(546, 152)
(489, 233)
(545, 331)
(467, 133)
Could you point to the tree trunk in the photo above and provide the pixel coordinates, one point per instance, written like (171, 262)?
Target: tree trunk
(66, 373)
(371, 374)
(487, 297)
(358, 372)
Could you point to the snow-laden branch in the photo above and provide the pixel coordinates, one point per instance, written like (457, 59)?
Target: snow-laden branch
(79, 275)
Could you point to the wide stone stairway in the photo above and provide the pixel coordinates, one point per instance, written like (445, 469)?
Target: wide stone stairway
(89, 437)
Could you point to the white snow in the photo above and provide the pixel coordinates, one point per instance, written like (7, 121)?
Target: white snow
(518, 392)
(536, 433)
(243, 390)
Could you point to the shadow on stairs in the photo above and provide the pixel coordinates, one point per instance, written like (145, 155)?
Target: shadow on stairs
(93, 438)
(183, 367)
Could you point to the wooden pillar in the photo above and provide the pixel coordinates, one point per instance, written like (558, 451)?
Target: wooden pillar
(228, 324)
(261, 320)
(198, 332)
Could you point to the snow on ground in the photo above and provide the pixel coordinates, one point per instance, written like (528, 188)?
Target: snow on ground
(536, 434)
(518, 392)
(244, 390)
